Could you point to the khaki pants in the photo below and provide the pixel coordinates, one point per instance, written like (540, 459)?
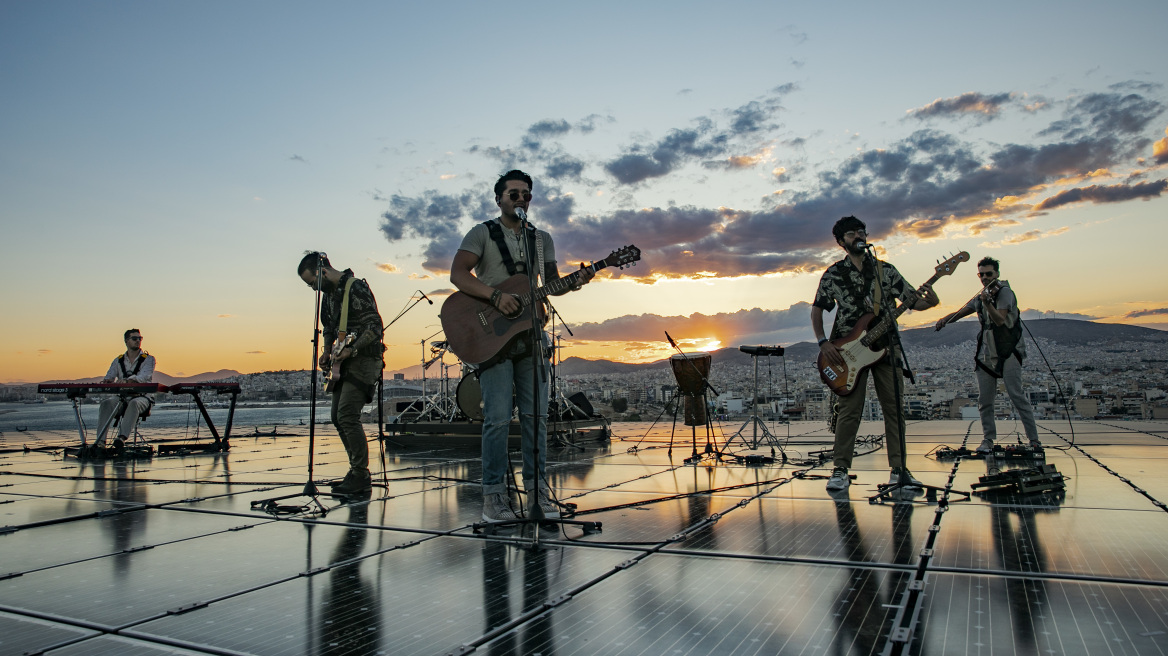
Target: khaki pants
(348, 401)
(988, 391)
(127, 421)
(851, 409)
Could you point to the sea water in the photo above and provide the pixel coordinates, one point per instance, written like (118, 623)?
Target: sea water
(59, 415)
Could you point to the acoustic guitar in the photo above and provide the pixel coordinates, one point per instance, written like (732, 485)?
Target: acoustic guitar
(856, 348)
(477, 331)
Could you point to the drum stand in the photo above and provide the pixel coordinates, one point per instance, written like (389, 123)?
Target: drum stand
(695, 457)
(755, 422)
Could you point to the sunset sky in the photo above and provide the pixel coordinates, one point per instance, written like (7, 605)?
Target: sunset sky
(164, 165)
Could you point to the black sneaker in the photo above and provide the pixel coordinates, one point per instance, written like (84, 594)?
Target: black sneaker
(356, 482)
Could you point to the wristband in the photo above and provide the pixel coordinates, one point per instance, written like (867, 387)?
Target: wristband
(822, 340)
(495, 297)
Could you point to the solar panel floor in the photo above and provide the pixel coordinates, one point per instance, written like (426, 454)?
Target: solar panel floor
(188, 554)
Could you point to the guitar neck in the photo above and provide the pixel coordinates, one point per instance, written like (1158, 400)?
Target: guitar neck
(565, 283)
(877, 331)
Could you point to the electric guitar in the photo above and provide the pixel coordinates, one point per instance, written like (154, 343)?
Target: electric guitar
(856, 348)
(477, 331)
(333, 375)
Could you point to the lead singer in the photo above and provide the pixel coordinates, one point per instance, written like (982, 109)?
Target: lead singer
(489, 254)
(860, 283)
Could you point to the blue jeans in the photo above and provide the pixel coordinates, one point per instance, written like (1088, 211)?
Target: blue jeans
(497, 384)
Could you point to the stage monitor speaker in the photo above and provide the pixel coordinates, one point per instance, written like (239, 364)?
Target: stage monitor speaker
(580, 401)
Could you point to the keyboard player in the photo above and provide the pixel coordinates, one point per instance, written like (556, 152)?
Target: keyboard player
(133, 366)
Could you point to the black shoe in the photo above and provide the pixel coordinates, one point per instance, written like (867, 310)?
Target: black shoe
(355, 483)
(119, 446)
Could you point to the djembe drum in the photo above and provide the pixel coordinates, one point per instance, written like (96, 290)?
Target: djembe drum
(691, 371)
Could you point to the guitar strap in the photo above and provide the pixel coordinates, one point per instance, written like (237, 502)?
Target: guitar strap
(496, 231)
(877, 293)
(343, 325)
(127, 373)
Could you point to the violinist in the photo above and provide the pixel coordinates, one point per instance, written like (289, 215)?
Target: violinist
(1000, 351)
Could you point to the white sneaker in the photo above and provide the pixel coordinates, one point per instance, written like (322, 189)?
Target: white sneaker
(839, 480)
(987, 446)
(903, 477)
(497, 508)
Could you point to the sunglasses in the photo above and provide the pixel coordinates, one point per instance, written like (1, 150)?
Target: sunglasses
(514, 195)
(135, 338)
(985, 274)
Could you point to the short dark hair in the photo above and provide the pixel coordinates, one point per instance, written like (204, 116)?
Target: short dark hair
(988, 261)
(514, 174)
(846, 224)
(310, 262)
(126, 335)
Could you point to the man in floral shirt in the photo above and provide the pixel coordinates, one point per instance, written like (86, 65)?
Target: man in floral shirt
(860, 284)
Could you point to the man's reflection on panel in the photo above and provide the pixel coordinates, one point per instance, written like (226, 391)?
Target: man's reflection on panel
(350, 611)
(125, 493)
(1019, 549)
(536, 635)
(863, 609)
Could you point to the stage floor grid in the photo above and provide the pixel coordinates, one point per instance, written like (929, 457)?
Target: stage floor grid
(177, 554)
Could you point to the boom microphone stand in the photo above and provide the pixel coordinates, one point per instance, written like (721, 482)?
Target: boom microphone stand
(381, 380)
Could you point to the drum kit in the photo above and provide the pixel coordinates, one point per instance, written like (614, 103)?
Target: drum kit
(461, 399)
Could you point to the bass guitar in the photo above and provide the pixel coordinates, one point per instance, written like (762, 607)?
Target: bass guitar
(334, 372)
(477, 331)
(857, 348)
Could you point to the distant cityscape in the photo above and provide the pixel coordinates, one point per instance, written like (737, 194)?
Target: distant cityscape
(1106, 371)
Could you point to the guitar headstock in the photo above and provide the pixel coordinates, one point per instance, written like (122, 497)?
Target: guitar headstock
(626, 255)
(948, 266)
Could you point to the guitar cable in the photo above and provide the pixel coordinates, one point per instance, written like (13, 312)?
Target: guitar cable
(1058, 386)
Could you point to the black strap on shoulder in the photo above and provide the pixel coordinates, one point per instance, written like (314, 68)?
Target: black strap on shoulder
(122, 362)
(504, 252)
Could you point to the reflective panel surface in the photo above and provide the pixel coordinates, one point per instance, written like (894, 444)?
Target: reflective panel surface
(723, 549)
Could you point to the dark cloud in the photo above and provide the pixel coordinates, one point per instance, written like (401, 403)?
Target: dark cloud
(1104, 194)
(538, 144)
(917, 186)
(1106, 114)
(297, 158)
(437, 219)
(979, 104)
(1135, 314)
(704, 141)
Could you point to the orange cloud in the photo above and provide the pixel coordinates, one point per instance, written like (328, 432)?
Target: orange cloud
(1160, 149)
(386, 267)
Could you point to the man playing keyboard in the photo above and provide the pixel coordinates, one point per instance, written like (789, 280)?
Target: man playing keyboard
(133, 366)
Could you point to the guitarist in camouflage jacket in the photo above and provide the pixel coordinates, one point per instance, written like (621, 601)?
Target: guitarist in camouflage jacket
(361, 361)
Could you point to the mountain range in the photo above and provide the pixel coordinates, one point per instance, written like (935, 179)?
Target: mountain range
(1067, 332)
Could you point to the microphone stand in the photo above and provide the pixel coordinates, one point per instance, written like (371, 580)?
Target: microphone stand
(382, 438)
(381, 379)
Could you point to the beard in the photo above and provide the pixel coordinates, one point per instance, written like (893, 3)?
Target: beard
(327, 286)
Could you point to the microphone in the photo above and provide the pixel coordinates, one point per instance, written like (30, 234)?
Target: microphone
(520, 213)
(425, 297)
(671, 342)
